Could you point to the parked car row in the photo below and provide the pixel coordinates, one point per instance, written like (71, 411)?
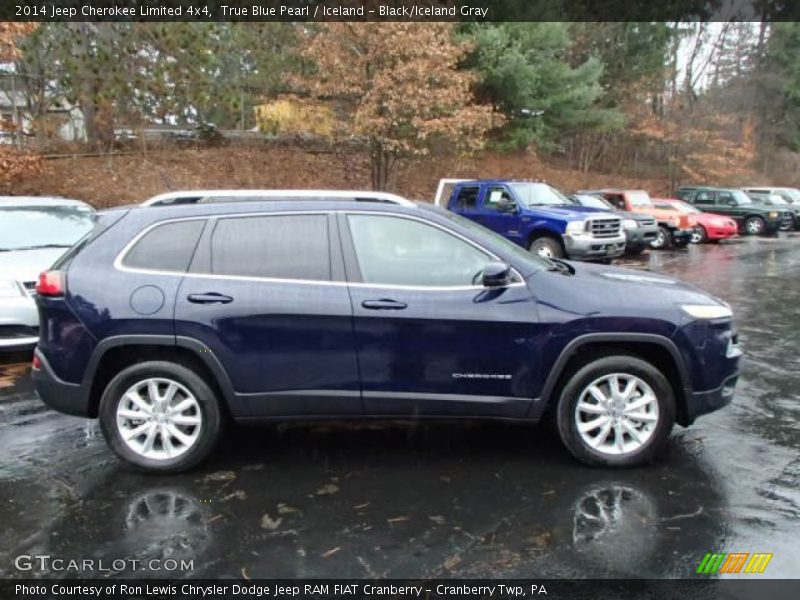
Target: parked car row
(602, 224)
(751, 214)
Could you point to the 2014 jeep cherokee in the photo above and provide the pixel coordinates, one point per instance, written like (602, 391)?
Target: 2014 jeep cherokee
(166, 321)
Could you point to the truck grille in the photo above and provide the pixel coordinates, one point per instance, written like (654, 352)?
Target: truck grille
(646, 222)
(787, 221)
(605, 227)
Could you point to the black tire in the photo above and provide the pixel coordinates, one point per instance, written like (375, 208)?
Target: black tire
(209, 414)
(754, 225)
(581, 379)
(663, 239)
(700, 236)
(546, 246)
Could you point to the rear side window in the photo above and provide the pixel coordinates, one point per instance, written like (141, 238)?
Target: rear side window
(276, 247)
(703, 198)
(166, 247)
(467, 197)
(102, 222)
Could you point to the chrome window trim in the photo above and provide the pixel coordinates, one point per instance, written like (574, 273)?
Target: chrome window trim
(119, 266)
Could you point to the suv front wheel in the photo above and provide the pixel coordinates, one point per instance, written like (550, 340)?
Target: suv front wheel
(616, 411)
(160, 416)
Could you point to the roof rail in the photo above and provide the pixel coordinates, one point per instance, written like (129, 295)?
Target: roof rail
(197, 196)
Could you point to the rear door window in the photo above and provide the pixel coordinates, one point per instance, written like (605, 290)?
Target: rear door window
(272, 246)
(467, 198)
(704, 198)
(166, 247)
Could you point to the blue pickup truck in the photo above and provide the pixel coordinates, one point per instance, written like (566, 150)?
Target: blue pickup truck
(536, 216)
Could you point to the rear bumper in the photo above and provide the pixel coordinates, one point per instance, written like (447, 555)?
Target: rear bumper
(702, 403)
(69, 398)
(590, 248)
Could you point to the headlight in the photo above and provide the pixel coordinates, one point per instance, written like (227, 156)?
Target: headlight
(629, 224)
(773, 215)
(707, 311)
(576, 227)
(10, 289)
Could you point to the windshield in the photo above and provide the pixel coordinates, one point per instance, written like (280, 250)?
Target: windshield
(539, 194)
(593, 202)
(776, 199)
(31, 227)
(639, 198)
(793, 194)
(490, 238)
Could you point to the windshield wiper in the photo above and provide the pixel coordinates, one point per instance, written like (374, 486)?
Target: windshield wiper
(36, 247)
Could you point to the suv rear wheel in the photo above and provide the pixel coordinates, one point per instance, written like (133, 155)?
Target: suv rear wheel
(160, 416)
(616, 411)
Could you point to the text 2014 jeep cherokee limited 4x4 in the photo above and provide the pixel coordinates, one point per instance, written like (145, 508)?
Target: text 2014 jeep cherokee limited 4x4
(167, 320)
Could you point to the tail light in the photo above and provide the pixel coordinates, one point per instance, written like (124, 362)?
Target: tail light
(36, 363)
(51, 283)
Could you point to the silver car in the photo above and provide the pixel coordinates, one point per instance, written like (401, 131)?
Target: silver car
(34, 233)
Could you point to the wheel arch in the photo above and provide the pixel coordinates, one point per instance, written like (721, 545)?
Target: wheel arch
(658, 350)
(538, 232)
(118, 352)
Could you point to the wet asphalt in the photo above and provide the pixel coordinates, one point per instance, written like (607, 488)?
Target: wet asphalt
(441, 499)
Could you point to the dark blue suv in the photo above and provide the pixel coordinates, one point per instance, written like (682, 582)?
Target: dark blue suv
(166, 321)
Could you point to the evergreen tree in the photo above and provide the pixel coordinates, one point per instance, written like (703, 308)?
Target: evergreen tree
(524, 69)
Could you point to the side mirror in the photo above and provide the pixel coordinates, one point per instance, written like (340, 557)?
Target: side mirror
(496, 274)
(506, 205)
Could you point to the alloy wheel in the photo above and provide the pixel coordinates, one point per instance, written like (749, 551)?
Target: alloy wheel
(660, 240)
(617, 414)
(754, 226)
(159, 418)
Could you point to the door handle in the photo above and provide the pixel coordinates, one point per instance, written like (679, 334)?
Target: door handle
(384, 304)
(209, 298)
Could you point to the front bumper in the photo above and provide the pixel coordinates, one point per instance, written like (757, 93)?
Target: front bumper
(723, 232)
(69, 398)
(581, 247)
(19, 323)
(702, 403)
(682, 236)
(640, 237)
(772, 225)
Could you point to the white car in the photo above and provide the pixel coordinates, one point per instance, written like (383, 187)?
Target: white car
(34, 233)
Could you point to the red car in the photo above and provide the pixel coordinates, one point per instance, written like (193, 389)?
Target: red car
(709, 227)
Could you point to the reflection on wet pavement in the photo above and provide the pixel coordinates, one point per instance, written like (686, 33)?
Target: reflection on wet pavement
(438, 499)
